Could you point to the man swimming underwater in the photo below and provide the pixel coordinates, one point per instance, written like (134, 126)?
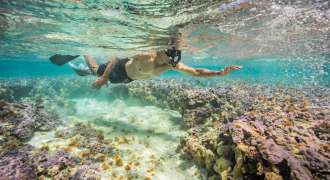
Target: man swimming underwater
(140, 67)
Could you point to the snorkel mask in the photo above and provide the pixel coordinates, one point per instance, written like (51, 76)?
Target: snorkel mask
(174, 55)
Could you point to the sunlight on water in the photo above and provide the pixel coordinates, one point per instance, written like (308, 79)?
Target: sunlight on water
(41, 27)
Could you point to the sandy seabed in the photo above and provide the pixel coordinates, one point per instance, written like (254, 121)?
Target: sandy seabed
(144, 138)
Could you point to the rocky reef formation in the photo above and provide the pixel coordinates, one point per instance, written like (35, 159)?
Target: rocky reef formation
(20, 120)
(27, 162)
(234, 131)
(19, 160)
(250, 132)
(84, 136)
(18, 123)
(31, 109)
(77, 152)
(17, 164)
(197, 106)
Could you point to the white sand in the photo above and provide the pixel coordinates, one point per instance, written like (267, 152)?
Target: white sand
(153, 134)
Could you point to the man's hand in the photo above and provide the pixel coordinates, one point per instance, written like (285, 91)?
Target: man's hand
(100, 82)
(232, 67)
(228, 69)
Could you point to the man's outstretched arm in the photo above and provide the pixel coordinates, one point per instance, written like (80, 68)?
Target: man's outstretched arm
(202, 72)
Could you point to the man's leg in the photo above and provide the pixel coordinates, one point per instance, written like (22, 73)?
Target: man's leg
(91, 63)
(79, 70)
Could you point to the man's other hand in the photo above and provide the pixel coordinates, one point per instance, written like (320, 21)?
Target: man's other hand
(99, 82)
(232, 67)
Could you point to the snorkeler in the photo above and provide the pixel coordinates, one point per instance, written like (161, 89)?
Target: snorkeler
(138, 67)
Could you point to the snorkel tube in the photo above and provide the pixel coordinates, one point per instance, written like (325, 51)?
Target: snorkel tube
(174, 55)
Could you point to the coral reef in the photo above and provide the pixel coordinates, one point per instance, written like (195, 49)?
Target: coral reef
(235, 131)
(17, 164)
(57, 165)
(282, 135)
(22, 161)
(197, 106)
(31, 163)
(87, 172)
(85, 136)
(20, 120)
(250, 132)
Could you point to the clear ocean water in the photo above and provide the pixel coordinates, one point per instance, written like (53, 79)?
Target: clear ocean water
(275, 41)
(278, 43)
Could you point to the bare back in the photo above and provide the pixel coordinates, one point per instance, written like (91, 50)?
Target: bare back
(145, 66)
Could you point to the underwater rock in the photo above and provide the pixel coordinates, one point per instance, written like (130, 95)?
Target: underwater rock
(193, 117)
(26, 162)
(322, 130)
(81, 129)
(318, 164)
(289, 166)
(17, 164)
(281, 136)
(85, 136)
(199, 153)
(200, 144)
(235, 131)
(261, 131)
(94, 145)
(195, 105)
(52, 165)
(222, 166)
(90, 172)
(21, 120)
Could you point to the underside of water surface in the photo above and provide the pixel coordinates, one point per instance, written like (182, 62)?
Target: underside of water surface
(268, 120)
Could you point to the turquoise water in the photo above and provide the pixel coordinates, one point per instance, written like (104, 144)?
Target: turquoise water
(284, 42)
(279, 44)
(258, 70)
